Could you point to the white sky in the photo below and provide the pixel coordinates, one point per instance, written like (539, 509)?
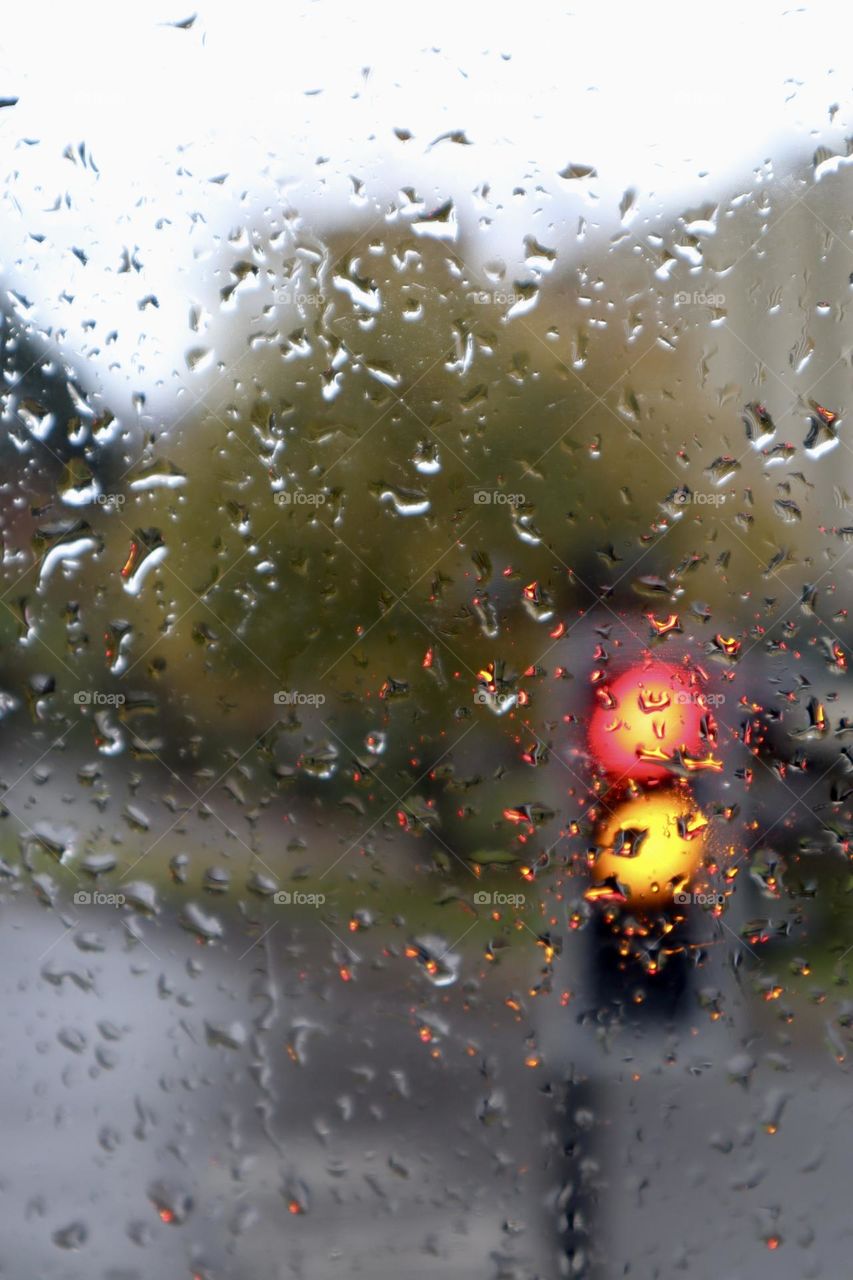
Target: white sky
(681, 102)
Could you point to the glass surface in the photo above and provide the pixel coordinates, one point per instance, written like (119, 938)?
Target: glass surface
(426, 531)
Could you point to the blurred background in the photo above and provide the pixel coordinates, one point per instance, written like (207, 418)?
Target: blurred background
(378, 392)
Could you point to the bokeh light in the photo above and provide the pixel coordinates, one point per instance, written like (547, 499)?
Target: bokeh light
(647, 715)
(652, 845)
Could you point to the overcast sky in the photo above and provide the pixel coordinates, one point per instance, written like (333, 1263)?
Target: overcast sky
(290, 103)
